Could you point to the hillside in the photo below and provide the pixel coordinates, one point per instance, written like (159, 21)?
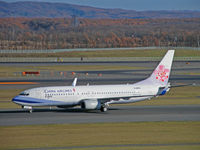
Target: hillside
(63, 10)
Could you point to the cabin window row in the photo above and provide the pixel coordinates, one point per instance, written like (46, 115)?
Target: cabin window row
(93, 93)
(124, 92)
(61, 94)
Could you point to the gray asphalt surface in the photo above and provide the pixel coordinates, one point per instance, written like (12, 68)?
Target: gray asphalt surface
(114, 114)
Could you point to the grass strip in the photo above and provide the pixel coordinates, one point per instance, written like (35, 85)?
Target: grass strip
(65, 135)
(190, 147)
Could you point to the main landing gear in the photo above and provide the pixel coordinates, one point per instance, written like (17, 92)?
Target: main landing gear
(104, 108)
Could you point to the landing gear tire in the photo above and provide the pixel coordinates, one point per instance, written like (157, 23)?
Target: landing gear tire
(31, 111)
(104, 109)
(29, 108)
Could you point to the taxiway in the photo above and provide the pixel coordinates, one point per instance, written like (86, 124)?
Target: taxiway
(12, 117)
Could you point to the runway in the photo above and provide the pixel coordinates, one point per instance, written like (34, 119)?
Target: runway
(116, 113)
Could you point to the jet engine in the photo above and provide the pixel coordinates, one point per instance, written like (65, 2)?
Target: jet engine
(91, 104)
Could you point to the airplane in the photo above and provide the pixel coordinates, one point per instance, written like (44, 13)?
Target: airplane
(99, 97)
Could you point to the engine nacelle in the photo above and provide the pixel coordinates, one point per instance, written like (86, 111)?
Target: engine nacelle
(91, 104)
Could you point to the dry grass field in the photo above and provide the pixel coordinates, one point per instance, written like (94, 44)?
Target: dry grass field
(49, 136)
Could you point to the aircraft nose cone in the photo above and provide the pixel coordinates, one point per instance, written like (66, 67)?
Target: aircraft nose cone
(16, 99)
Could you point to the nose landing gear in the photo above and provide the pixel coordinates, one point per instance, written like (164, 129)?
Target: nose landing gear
(29, 108)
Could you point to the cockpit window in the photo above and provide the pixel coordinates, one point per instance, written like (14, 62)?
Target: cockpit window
(24, 94)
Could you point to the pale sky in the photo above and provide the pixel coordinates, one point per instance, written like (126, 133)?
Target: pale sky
(133, 4)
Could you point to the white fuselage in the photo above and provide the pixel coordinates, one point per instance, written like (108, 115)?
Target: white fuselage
(73, 95)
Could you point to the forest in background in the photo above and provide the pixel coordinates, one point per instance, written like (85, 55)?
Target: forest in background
(62, 33)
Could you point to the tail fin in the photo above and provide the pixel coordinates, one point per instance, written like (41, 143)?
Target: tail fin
(160, 75)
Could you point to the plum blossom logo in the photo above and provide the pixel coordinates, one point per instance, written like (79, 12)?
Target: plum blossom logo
(161, 73)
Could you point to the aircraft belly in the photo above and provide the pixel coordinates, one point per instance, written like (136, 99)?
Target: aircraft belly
(131, 100)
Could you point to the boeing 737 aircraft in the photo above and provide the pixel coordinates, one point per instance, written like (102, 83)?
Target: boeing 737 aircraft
(100, 96)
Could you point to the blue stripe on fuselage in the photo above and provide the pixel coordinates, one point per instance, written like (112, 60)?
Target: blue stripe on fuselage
(30, 100)
(24, 101)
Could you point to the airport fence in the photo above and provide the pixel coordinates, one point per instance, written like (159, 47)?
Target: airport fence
(93, 49)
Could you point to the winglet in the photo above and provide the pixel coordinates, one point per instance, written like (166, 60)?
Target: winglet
(74, 82)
